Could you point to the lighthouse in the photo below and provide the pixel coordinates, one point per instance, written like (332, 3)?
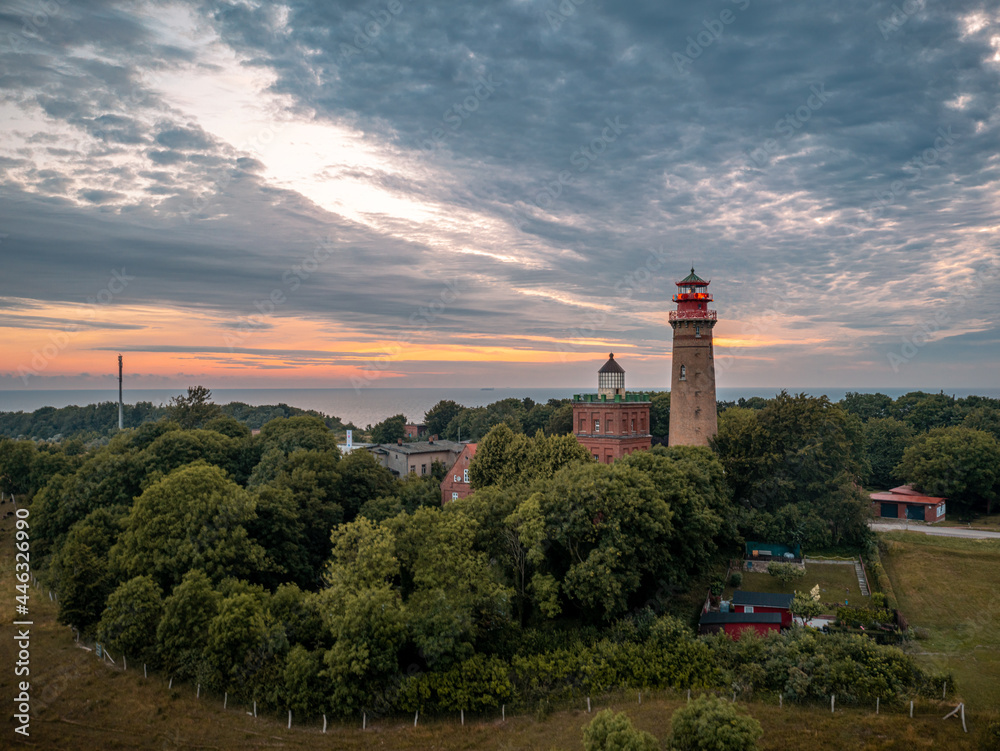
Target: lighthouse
(693, 419)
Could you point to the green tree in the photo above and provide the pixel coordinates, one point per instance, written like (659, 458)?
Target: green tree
(363, 613)
(313, 479)
(506, 458)
(80, 567)
(960, 464)
(362, 479)
(179, 447)
(886, 438)
(805, 607)
(712, 724)
(867, 406)
(390, 430)
(245, 648)
(451, 595)
(926, 411)
(810, 447)
(228, 426)
(692, 482)
(560, 420)
(659, 417)
(16, 458)
(194, 517)
(182, 632)
(130, 619)
(740, 444)
(985, 418)
(305, 689)
(195, 409)
(437, 417)
(614, 732)
(299, 432)
(594, 533)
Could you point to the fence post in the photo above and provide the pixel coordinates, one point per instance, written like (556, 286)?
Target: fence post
(833, 698)
(170, 685)
(911, 709)
(124, 662)
(364, 720)
(689, 695)
(324, 723)
(461, 715)
(963, 718)
(781, 700)
(944, 691)
(415, 716)
(144, 671)
(197, 693)
(254, 707)
(640, 697)
(503, 713)
(289, 719)
(225, 699)
(876, 704)
(588, 705)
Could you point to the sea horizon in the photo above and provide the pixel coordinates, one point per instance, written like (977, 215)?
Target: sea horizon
(370, 405)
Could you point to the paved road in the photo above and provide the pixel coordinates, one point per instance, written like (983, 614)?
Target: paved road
(939, 531)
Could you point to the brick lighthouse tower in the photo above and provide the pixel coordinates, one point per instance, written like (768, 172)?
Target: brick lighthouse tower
(693, 419)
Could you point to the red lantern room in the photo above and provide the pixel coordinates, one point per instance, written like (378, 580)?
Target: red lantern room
(692, 299)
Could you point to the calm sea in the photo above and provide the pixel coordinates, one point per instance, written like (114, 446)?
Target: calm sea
(369, 406)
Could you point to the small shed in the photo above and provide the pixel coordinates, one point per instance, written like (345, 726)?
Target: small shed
(735, 624)
(768, 550)
(764, 602)
(904, 502)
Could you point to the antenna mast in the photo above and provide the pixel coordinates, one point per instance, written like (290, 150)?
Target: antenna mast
(120, 421)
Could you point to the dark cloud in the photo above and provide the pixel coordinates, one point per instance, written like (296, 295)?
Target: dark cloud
(838, 160)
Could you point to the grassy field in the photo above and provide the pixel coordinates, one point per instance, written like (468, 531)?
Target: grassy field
(991, 523)
(836, 583)
(948, 590)
(78, 703)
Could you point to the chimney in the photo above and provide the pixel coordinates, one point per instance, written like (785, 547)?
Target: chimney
(399, 441)
(432, 439)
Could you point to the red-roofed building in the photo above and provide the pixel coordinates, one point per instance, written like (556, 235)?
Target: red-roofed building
(906, 503)
(735, 624)
(455, 485)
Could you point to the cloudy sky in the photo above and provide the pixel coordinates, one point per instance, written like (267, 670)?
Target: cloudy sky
(402, 193)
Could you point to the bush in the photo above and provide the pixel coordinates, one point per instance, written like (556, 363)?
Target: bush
(736, 580)
(989, 736)
(713, 724)
(614, 732)
(717, 586)
(863, 616)
(785, 571)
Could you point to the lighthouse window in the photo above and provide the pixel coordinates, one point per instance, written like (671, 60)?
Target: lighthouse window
(684, 372)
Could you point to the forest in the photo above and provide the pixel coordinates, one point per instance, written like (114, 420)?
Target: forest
(270, 566)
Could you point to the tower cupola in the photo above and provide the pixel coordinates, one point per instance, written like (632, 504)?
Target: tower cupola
(611, 378)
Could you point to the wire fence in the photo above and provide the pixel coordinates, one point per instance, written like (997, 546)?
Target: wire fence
(618, 699)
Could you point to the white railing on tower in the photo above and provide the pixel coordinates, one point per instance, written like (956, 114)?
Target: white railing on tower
(680, 315)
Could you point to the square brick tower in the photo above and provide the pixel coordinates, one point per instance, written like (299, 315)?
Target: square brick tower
(611, 423)
(693, 418)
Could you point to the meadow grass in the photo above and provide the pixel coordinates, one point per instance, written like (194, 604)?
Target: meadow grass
(948, 590)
